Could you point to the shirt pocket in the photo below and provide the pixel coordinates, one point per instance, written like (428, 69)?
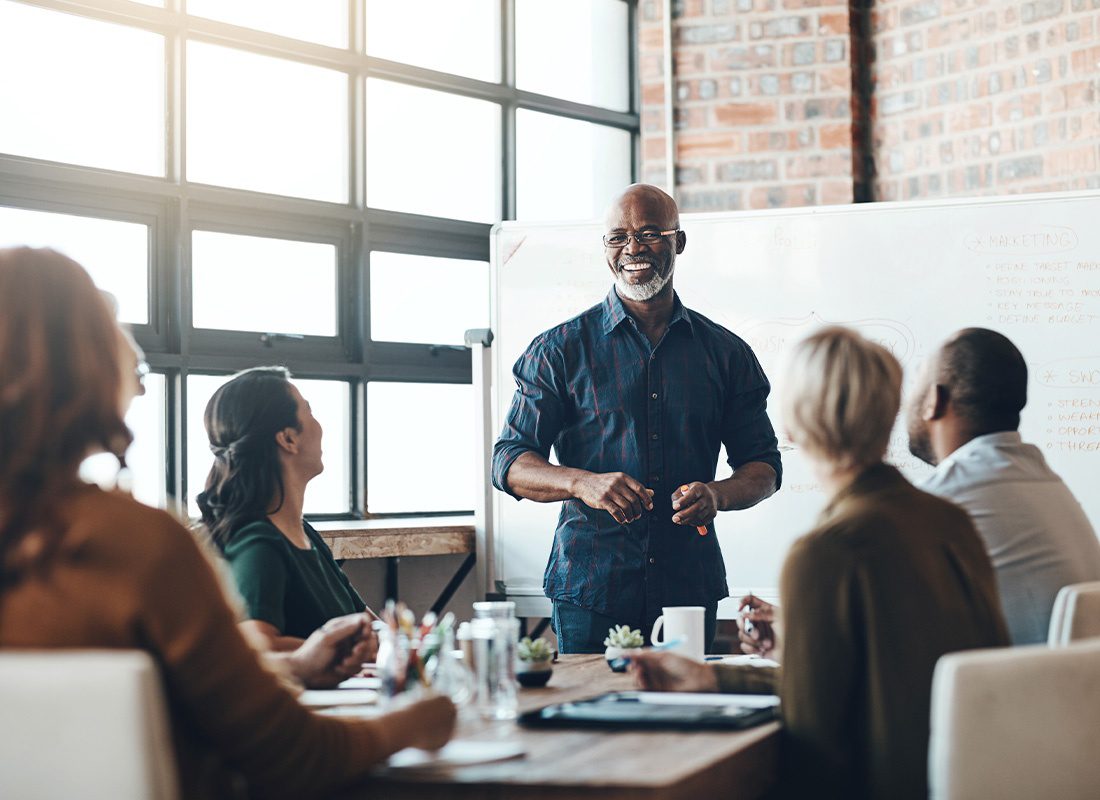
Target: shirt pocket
(605, 396)
(696, 402)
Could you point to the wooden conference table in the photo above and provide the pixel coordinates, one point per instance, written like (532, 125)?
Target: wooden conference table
(609, 765)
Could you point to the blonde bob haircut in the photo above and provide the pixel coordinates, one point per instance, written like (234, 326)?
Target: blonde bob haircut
(841, 395)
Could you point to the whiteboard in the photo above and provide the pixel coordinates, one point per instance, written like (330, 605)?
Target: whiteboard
(904, 274)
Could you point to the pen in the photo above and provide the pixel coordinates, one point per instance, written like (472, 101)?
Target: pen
(701, 528)
(620, 663)
(745, 621)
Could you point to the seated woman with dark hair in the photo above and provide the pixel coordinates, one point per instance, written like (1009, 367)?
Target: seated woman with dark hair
(85, 568)
(267, 448)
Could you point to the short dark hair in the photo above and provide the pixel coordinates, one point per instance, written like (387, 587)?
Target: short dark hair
(986, 378)
(245, 483)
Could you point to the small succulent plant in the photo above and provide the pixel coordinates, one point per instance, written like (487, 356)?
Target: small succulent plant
(537, 650)
(623, 636)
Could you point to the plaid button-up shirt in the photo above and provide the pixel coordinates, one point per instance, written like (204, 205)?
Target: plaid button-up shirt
(607, 400)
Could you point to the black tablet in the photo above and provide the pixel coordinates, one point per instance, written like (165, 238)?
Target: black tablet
(656, 710)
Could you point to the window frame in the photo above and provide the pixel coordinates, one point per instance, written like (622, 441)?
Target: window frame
(172, 207)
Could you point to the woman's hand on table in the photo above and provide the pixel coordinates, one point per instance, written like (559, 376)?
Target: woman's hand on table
(334, 652)
(428, 723)
(668, 672)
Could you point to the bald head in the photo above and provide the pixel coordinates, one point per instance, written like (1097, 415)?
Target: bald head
(986, 379)
(643, 268)
(643, 201)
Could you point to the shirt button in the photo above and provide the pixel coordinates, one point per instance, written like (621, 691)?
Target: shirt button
(654, 478)
(655, 437)
(654, 395)
(652, 560)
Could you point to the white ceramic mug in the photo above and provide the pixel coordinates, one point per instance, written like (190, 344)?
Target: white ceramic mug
(685, 624)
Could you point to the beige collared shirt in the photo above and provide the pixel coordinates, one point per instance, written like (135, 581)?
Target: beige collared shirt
(1035, 531)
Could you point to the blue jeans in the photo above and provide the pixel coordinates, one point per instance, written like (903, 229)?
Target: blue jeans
(580, 630)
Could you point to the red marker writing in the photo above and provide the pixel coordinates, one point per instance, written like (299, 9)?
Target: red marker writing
(701, 528)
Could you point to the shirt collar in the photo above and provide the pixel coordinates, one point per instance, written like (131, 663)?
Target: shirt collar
(978, 444)
(615, 313)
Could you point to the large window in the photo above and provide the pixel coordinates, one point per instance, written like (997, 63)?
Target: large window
(310, 184)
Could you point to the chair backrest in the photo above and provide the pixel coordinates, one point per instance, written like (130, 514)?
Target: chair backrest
(1076, 614)
(1016, 723)
(88, 724)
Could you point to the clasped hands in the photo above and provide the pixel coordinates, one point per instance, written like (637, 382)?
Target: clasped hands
(334, 652)
(625, 499)
(756, 626)
(337, 650)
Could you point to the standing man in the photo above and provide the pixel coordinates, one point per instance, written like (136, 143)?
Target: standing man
(963, 418)
(636, 395)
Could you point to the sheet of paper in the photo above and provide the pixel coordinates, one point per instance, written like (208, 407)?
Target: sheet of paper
(361, 683)
(457, 753)
(327, 698)
(744, 660)
(706, 699)
(362, 712)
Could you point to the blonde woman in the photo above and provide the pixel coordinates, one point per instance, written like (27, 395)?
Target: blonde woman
(85, 568)
(889, 580)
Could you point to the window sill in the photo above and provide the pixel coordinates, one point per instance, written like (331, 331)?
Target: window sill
(388, 538)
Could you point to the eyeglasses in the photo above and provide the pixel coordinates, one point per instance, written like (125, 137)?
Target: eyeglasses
(641, 237)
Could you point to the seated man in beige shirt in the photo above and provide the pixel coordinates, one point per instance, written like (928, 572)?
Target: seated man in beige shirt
(963, 418)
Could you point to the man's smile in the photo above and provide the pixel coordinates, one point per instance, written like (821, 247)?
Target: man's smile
(635, 266)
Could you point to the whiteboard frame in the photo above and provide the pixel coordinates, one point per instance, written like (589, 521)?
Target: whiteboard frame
(535, 602)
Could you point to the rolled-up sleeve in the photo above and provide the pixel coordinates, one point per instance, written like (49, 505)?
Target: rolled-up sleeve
(747, 431)
(535, 416)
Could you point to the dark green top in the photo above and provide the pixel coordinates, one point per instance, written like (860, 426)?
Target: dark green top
(293, 589)
(890, 580)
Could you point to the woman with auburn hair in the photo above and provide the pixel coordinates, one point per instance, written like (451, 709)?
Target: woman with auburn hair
(888, 581)
(267, 448)
(84, 568)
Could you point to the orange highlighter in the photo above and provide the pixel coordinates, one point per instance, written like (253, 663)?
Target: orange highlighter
(701, 528)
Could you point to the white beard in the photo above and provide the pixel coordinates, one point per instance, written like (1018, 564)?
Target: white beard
(641, 292)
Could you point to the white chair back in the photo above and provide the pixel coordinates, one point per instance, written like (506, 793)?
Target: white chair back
(1016, 724)
(1076, 614)
(87, 724)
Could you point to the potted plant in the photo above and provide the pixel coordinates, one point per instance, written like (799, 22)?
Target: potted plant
(533, 662)
(620, 639)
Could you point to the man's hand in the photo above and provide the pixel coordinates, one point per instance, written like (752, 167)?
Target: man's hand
(694, 504)
(756, 626)
(614, 492)
(334, 652)
(669, 672)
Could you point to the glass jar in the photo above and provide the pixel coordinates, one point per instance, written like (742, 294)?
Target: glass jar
(494, 633)
(392, 659)
(446, 671)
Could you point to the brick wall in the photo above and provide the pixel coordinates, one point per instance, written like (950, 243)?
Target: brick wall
(980, 97)
(762, 102)
(967, 97)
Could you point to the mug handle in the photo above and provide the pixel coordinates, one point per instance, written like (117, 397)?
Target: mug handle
(656, 629)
